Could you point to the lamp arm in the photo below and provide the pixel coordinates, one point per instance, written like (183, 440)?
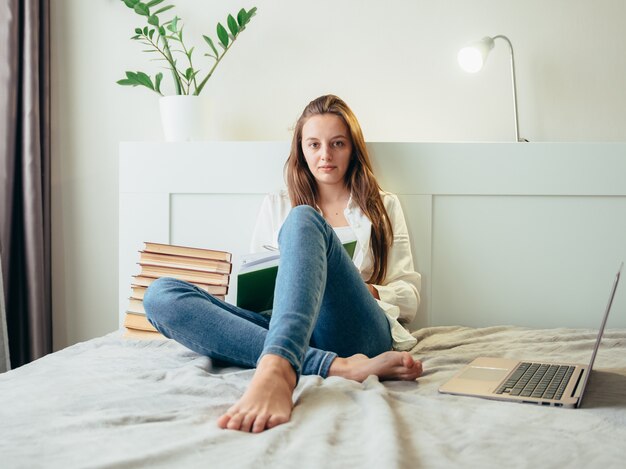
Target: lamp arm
(506, 39)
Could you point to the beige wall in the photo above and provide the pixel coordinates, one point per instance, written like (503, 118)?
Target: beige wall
(394, 62)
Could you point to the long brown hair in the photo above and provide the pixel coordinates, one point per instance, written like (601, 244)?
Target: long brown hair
(359, 179)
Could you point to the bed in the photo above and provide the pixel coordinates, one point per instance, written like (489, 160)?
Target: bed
(112, 402)
(517, 245)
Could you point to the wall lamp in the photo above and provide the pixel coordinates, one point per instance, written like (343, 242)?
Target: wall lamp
(472, 58)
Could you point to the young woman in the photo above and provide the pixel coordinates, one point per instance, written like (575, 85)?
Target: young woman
(332, 315)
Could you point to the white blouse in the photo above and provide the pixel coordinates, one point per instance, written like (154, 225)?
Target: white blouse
(345, 234)
(399, 293)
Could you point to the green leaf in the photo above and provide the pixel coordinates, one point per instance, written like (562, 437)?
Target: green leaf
(162, 31)
(130, 3)
(153, 20)
(144, 80)
(241, 17)
(154, 3)
(140, 78)
(126, 82)
(190, 52)
(173, 26)
(250, 14)
(142, 9)
(232, 25)
(209, 41)
(222, 34)
(189, 74)
(151, 33)
(145, 31)
(164, 9)
(137, 30)
(157, 81)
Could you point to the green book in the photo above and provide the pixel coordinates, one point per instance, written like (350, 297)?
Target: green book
(257, 278)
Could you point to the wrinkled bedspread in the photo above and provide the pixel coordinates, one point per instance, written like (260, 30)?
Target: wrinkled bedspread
(112, 402)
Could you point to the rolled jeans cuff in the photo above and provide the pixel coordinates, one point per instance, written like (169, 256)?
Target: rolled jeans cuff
(324, 367)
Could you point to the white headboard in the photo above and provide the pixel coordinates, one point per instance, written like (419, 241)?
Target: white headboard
(527, 234)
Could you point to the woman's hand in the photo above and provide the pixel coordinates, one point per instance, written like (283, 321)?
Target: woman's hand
(373, 291)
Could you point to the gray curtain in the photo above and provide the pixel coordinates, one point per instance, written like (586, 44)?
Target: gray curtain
(5, 363)
(25, 176)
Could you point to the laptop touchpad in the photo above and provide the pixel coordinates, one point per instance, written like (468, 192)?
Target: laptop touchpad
(484, 374)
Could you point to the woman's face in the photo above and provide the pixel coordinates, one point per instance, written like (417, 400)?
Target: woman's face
(327, 148)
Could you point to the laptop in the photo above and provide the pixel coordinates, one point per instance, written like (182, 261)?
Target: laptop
(549, 384)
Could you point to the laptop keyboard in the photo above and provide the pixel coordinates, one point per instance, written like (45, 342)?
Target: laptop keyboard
(537, 380)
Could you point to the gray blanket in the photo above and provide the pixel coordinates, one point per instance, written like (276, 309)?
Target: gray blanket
(112, 402)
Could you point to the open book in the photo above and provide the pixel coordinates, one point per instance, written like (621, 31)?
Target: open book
(257, 278)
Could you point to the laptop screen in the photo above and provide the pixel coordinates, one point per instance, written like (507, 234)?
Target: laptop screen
(601, 331)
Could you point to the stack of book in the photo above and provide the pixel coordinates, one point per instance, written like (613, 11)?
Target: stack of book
(207, 269)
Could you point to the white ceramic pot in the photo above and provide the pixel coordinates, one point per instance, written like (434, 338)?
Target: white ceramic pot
(185, 118)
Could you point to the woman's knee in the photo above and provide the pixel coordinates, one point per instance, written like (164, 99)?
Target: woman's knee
(304, 211)
(303, 217)
(160, 297)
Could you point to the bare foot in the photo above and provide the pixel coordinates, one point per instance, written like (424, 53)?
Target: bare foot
(387, 366)
(268, 400)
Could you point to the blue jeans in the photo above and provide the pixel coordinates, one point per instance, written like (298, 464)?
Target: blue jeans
(322, 308)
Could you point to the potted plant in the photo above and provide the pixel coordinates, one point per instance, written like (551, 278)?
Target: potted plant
(182, 114)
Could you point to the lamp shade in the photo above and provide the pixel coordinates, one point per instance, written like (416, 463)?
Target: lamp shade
(472, 58)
